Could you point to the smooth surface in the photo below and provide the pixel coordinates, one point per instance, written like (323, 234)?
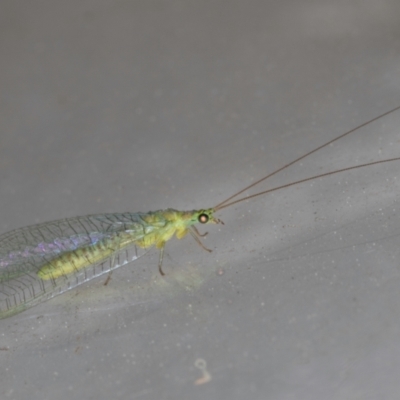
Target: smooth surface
(112, 106)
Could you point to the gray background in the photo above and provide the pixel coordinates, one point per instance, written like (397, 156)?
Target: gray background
(113, 106)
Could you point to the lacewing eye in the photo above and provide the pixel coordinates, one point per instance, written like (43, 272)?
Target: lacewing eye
(203, 218)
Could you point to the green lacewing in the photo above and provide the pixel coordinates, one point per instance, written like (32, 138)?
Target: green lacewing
(41, 261)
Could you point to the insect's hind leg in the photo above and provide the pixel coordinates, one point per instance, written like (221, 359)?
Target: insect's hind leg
(108, 279)
(113, 263)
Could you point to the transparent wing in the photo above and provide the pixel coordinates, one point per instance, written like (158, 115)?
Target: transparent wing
(24, 251)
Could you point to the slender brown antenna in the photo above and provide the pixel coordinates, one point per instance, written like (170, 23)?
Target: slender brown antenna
(223, 205)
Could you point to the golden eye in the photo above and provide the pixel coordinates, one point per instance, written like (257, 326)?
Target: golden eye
(203, 218)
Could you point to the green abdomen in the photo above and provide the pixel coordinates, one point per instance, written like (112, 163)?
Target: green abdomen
(73, 261)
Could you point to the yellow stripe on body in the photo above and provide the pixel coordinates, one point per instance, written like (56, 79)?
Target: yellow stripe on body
(83, 257)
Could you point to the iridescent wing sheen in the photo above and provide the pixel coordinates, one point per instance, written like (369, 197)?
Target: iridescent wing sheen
(24, 251)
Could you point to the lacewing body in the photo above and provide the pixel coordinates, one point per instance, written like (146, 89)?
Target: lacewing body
(41, 261)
